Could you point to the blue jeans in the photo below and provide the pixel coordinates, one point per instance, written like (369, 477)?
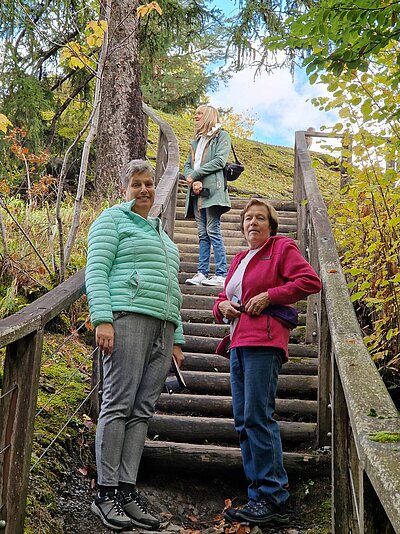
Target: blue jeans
(254, 381)
(208, 222)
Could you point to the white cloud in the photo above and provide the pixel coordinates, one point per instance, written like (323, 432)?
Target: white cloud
(280, 106)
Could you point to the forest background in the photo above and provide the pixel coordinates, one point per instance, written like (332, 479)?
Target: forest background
(72, 78)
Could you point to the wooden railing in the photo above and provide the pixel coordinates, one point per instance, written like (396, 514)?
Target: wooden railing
(22, 335)
(365, 474)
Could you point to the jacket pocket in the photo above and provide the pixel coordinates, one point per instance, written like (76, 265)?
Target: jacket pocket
(134, 285)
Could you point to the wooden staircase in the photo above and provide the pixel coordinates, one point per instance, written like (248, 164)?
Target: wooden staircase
(194, 430)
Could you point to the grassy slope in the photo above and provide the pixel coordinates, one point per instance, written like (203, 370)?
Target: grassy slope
(268, 168)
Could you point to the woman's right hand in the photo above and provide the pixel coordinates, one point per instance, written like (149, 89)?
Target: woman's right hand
(189, 180)
(197, 187)
(105, 338)
(230, 310)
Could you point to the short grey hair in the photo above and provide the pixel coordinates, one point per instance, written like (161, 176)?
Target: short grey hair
(135, 166)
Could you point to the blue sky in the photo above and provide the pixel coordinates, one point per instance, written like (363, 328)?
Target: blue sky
(279, 104)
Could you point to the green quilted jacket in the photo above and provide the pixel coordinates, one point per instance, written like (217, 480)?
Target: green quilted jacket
(132, 266)
(210, 172)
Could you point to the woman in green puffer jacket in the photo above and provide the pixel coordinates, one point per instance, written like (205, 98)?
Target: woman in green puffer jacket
(134, 299)
(207, 195)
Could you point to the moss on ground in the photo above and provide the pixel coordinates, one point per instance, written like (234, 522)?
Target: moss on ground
(64, 383)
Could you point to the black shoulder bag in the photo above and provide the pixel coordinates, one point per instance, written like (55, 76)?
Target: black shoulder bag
(232, 171)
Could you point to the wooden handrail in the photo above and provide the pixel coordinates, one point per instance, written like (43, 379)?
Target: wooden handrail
(366, 474)
(22, 335)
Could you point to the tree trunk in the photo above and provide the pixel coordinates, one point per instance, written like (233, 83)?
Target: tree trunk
(121, 128)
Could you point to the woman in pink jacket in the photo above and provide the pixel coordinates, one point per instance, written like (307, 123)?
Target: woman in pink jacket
(261, 285)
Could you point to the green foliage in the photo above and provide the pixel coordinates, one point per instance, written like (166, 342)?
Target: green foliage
(178, 54)
(366, 215)
(339, 34)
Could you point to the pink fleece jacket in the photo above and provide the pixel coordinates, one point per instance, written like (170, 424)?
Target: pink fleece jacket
(279, 268)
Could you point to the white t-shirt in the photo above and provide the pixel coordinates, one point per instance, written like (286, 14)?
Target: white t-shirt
(234, 286)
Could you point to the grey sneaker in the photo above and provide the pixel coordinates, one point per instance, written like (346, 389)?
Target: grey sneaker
(109, 509)
(196, 280)
(135, 507)
(215, 281)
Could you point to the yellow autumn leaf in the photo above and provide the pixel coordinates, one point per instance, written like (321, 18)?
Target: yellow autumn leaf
(91, 40)
(145, 9)
(76, 63)
(103, 25)
(4, 123)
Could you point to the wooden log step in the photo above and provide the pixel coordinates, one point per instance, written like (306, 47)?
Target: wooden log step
(213, 362)
(218, 383)
(210, 291)
(207, 459)
(237, 241)
(233, 215)
(193, 248)
(192, 257)
(297, 335)
(206, 316)
(198, 302)
(198, 298)
(221, 405)
(238, 202)
(186, 224)
(185, 230)
(209, 344)
(189, 429)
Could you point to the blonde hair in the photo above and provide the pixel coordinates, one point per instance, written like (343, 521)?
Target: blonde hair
(209, 119)
(272, 214)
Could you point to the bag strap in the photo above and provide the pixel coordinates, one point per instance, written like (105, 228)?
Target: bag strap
(234, 155)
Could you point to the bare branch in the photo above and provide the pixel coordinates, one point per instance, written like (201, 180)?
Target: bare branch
(5, 207)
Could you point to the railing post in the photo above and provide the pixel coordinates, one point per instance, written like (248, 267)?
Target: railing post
(374, 518)
(324, 419)
(21, 373)
(342, 506)
(162, 155)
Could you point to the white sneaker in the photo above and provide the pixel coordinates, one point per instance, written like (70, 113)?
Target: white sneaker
(216, 281)
(196, 280)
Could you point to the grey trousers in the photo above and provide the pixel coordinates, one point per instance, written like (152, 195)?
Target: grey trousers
(133, 379)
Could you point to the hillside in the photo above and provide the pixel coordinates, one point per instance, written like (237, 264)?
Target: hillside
(268, 168)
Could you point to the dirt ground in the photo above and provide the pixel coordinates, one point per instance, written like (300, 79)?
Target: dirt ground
(188, 505)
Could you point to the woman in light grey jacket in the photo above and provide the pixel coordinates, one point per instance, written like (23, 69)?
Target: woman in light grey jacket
(207, 195)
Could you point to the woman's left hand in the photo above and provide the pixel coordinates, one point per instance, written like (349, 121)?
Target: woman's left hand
(257, 304)
(178, 355)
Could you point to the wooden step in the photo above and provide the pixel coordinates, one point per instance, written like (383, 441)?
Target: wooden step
(208, 405)
(231, 229)
(214, 362)
(239, 203)
(209, 344)
(216, 383)
(187, 429)
(297, 335)
(193, 458)
(186, 229)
